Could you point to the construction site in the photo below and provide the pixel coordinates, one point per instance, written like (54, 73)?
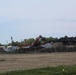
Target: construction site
(40, 45)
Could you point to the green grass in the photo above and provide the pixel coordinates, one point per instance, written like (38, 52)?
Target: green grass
(61, 70)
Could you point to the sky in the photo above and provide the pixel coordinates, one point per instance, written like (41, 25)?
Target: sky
(23, 19)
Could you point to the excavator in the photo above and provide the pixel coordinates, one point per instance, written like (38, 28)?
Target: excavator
(38, 41)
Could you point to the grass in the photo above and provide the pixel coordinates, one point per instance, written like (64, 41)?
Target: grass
(61, 70)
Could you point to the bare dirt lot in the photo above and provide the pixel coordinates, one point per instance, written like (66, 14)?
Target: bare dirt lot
(9, 62)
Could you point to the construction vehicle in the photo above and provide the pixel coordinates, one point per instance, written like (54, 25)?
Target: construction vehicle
(38, 41)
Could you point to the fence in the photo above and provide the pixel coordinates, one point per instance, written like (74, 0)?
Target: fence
(42, 50)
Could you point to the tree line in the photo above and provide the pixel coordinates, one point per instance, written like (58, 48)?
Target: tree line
(31, 40)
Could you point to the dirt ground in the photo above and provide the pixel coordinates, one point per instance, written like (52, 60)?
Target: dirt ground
(10, 62)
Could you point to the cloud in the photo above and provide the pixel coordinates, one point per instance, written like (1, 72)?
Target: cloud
(30, 18)
(67, 20)
(37, 9)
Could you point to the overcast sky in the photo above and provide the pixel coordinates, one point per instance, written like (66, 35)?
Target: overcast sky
(30, 18)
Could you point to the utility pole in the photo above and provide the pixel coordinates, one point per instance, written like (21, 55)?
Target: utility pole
(12, 40)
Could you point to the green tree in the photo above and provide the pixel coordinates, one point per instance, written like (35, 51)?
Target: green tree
(30, 40)
(14, 43)
(51, 39)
